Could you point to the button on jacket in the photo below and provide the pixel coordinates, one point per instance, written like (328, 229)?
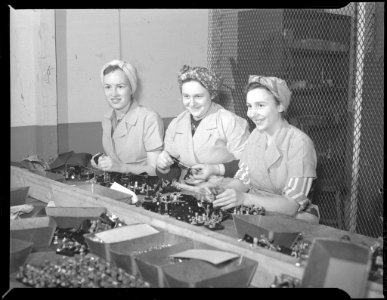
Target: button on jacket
(140, 131)
(290, 155)
(220, 137)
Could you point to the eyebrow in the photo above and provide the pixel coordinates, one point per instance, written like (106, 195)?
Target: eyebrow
(257, 102)
(197, 94)
(115, 84)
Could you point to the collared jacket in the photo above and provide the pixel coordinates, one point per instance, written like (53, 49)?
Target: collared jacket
(140, 131)
(220, 137)
(290, 155)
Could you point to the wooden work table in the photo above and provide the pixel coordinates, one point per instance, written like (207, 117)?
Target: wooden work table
(270, 263)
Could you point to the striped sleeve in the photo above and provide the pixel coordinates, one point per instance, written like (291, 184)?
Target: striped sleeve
(298, 189)
(243, 173)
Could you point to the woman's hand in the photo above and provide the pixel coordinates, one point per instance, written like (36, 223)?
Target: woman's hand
(228, 199)
(164, 161)
(203, 171)
(106, 163)
(92, 160)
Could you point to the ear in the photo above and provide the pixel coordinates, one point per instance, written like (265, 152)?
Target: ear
(281, 108)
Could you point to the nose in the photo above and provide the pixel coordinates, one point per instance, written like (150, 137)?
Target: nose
(191, 101)
(250, 113)
(114, 91)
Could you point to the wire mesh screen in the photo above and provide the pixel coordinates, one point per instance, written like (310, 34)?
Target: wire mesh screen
(333, 61)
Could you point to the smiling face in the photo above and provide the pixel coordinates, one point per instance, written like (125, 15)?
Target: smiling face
(196, 99)
(263, 110)
(117, 90)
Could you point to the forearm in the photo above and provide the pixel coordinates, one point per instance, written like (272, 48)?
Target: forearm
(237, 185)
(224, 169)
(272, 203)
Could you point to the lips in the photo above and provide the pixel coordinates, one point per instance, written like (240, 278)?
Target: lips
(258, 121)
(195, 109)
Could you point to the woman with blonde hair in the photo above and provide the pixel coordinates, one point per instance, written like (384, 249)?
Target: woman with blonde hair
(132, 135)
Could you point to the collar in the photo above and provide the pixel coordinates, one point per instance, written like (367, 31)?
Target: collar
(209, 121)
(273, 152)
(130, 117)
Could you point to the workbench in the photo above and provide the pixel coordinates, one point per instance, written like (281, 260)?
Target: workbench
(270, 263)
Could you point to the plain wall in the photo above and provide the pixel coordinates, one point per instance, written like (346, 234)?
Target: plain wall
(33, 84)
(86, 40)
(159, 42)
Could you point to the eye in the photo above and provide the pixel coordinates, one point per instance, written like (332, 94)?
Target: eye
(107, 87)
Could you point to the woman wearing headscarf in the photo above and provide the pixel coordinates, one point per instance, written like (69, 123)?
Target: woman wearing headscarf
(278, 165)
(205, 137)
(132, 135)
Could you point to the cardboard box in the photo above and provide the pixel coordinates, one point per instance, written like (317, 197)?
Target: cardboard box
(199, 273)
(124, 254)
(101, 243)
(19, 251)
(276, 226)
(38, 230)
(334, 263)
(50, 175)
(19, 195)
(151, 264)
(72, 217)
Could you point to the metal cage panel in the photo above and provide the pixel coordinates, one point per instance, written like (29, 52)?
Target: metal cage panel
(333, 61)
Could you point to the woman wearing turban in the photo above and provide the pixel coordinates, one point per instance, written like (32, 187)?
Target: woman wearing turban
(132, 135)
(278, 165)
(206, 137)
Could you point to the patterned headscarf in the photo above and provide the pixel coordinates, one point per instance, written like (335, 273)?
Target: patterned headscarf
(277, 86)
(128, 69)
(208, 79)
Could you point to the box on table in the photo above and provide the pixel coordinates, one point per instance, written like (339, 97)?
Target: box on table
(50, 175)
(198, 273)
(72, 217)
(100, 243)
(19, 195)
(124, 254)
(19, 251)
(38, 230)
(282, 233)
(150, 264)
(339, 264)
